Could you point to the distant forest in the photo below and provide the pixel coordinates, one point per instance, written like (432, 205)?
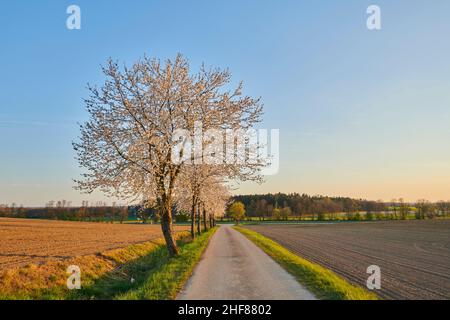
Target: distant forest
(281, 206)
(276, 207)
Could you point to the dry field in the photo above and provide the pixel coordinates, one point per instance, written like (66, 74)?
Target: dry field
(414, 256)
(25, 242)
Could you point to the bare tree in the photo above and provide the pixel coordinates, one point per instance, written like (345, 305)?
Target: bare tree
(127, 144)
(394, 208)
(123, 214)
(425, 209)
(403, 209)
(443, 207)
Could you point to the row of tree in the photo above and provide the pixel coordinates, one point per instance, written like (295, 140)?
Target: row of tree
(144, 139)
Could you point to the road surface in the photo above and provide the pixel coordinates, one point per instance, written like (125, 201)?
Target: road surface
(233, 268)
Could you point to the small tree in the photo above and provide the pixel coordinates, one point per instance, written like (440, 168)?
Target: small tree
(237, 211)
(321, 216)
(443, 208)
(394, 208)
(423, 209)
(123, 214)
(404, 209)
(276, 214)
(286, 212)
(113, 212)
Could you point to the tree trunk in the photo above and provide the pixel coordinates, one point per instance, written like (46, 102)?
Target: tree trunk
(166, 226)
(193, 219)
(199, 231)
(205, 227)
(210, 221)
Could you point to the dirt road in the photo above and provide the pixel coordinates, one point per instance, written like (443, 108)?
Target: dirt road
(233, 268)
(414, 256)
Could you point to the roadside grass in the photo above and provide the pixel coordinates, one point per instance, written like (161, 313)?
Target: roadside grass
(48, 281)
(167, 279)
(322, 282)
(109, 275)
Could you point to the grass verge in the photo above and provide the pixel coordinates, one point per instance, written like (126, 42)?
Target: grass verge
(138, 271)
(167, 279)
(324, 283)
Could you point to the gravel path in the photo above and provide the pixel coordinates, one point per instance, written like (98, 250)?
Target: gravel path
(233, 268)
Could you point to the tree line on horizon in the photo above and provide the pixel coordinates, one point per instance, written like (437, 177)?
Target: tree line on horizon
(296, 206)
(278, 206)
(63, 210)
(94, 212)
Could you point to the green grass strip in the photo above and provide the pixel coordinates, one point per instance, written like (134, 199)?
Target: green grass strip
(324, 283)
(167, 279)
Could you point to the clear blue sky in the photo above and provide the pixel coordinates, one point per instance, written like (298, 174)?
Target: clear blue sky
(362, 113)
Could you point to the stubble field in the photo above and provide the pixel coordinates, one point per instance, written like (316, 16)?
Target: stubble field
(24, 242)
(414, 256)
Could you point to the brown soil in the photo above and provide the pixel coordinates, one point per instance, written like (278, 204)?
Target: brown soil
(24, 242)
(414, 256)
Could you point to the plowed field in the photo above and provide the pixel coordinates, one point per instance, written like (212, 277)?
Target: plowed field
(35, 241)
(414, 256)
